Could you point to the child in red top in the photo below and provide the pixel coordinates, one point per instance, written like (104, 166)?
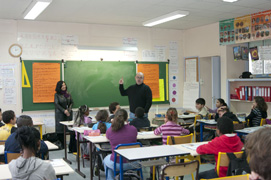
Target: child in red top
(226, 142)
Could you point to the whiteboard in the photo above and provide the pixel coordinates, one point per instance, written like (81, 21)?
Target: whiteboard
(265, 52)
(190, 94)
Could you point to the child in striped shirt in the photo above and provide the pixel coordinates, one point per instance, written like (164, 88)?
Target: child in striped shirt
(170, 128)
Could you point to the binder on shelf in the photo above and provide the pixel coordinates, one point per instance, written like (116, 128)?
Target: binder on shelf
(237, 91)
(265, 94)
(260, 91)
(253, 92)
(268, 94)
(246, 93)
(243, 93)
(250, 93)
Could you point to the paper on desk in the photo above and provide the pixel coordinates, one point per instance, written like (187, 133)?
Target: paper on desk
(56, 162)
(192, 146)
(145, 132)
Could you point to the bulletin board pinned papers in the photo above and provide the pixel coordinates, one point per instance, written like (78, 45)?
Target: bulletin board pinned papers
(151, 77)
(161, 92)
(45, 78)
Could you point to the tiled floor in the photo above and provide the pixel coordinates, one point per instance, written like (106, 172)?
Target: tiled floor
(86, 171)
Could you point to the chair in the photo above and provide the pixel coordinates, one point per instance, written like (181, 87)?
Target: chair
(239, 177)
(223, 159)
(181, 169)
(263, 122)
(194, 128)
(2, 142)
(183, 140)
(10, 156)
(125, 146)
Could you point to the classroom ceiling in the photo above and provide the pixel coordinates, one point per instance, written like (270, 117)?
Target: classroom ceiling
(134, 12)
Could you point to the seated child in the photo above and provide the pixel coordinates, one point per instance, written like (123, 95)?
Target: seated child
(13, 145)
(140, 121)
(27, 166)
(119, 133)
(200, 106)
(257, 146)
(101, 124)
(226, 142)
(1, 124)
(82, 119)
(219, 103)
(113, 107)
(170, 128)
(9, 119)
(225, 112)
(258, 111)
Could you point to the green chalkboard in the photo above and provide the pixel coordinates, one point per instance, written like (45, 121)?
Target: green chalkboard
(96, 83)
(27, 92)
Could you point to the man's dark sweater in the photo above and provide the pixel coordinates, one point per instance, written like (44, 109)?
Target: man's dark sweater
(140, 123)
(138, 95)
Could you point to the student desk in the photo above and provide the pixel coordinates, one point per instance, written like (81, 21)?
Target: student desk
(59, 170)
(144, 153)
(192, 150)
(205, 122)
(248, 130)
(102, 139)
(2, 149)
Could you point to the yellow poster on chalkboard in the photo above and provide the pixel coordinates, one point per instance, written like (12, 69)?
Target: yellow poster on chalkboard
(161, 92)
(45, 77)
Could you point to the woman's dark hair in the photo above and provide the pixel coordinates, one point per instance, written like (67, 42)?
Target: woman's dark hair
(79, 117)
(172, 114)
(101, 117)
(225, 125)
(119, 119)
(113, 107)
(28, 137)
(257, 146)
(222, 101)
(261, 104)
(7, 116)
(58, 87)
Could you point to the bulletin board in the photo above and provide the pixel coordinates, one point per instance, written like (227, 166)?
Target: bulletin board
(191, 69)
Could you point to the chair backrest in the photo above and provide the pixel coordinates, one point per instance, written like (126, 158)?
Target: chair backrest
(238, 177)
(210, 116)
(2, 142)
(195, 122)
(180, 139)
(263, 122)
(181, 169)
(144, 129)
(10, 156)
(224, 161)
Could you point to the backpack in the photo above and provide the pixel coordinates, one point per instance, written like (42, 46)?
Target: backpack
(245, 75)
(237, 166)
(129, 175)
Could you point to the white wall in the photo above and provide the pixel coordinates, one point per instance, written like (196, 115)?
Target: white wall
(89, 34)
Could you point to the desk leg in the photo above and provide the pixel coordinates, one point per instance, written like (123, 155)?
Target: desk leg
(121, 168)
(65, 147)
(78, 157)
(90, 160)
(201, 132)
(40, 127)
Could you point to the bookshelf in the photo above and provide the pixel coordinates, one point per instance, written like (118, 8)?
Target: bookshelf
(238, 106)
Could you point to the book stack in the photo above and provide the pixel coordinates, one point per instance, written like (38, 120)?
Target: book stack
(247, 93)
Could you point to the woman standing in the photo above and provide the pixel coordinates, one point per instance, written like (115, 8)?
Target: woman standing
(63, 108)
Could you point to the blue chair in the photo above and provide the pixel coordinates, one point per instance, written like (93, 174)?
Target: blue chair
(10, 156)
(125, 146)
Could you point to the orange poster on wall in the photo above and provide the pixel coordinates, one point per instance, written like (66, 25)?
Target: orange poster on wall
(151, 77)
(261, 25)
(45, 77)
(242, 26)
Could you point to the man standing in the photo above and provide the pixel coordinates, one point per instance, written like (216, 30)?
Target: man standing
(139, 95)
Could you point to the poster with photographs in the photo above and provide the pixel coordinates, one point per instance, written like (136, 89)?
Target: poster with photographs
(242, 27)
(226, 32)
(261, 25)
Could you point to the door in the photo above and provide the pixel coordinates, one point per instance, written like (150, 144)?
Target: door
(216, 80)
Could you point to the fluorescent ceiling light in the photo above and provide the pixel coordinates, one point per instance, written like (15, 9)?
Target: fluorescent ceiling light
(231, 1)
(35, 8)
(165, 18)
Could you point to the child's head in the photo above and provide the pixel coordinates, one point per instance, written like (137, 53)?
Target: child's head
(9, 117)
(0, 114)
(24, 120)
(172, 115)
(222, 111)
(79, 117)
(139, 112)
(101, 117)
(260, 103)
(28, 138)
(200, 103)
(120, 117)
(113, 107)
(224, 126)
(220, 102)
(258, 145)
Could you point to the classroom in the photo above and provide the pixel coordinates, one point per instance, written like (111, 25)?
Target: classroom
(135, 89)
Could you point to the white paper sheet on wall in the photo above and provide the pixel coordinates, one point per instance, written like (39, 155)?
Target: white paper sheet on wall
(130, 55)
(190, 94)
(148, 55)
(160, 53)
(265, 52)
(129, 42)
(69, 40)
(9, 95)
(191, 70)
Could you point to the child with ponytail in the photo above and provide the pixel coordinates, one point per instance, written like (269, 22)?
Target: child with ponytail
(102, 117)
(170, 128)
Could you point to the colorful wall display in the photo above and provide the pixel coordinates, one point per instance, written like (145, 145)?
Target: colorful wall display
(246, 28)
(226, 32)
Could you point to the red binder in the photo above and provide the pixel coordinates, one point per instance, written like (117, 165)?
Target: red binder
(237, 91)
(250, 93)
(268, 94)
